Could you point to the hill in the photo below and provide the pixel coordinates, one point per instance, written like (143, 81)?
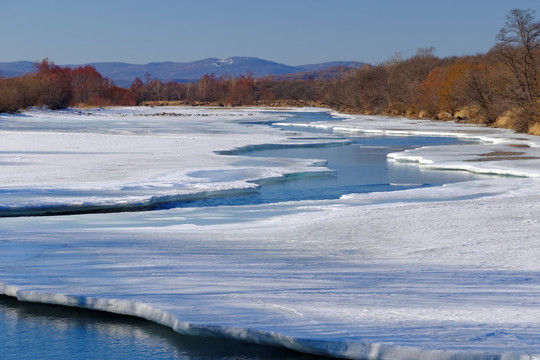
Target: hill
(123, 74)
(17, 68)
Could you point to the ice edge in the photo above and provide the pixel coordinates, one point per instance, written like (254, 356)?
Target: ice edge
(435, 164)
(345, 349)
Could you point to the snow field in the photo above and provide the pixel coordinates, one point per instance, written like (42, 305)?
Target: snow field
(429, 273)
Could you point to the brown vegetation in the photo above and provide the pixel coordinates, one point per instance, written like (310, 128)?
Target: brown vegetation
(57, 88)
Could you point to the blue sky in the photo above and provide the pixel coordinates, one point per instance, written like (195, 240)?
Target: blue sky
(293, 32)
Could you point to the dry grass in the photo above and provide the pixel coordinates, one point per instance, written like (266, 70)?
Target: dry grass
(534, 129)
(423, 114)
(512, 120)
(470, 114)
(505, 122)
(164, 103)
(444, 115)
(463, 114)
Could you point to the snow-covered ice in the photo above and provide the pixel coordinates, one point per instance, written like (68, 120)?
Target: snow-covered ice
(446, 272)
(109, 159)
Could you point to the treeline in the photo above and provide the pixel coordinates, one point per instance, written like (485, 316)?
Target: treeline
(56, 88)
(499, 88)
(231, 91)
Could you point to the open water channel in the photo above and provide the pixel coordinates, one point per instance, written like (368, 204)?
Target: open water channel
(33, 331)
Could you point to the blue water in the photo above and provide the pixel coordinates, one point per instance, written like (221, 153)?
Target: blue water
(38, 331)
(358, 165)
(32, 331)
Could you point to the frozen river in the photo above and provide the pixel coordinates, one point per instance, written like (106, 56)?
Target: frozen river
(362, 272)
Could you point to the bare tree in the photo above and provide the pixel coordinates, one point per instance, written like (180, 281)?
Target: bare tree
(405, 77)
(484, 86)
(519, 50)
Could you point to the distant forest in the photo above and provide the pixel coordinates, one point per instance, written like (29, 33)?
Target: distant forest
(500, 88)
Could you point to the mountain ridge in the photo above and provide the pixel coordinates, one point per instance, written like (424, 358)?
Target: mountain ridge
(123, 74)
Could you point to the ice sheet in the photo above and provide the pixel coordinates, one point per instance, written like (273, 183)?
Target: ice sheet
(447, 272)
(131, 157)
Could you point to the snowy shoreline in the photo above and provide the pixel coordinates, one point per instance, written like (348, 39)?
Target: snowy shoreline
(425, 273)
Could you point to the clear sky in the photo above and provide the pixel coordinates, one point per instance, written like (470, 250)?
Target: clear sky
(293, 32)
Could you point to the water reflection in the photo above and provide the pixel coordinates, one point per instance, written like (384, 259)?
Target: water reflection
(38, 331)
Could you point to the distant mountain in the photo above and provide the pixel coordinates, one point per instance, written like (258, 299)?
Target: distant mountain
(123, 74)
(18, 68)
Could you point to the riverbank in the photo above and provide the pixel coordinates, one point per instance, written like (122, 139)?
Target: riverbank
(467, 115)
